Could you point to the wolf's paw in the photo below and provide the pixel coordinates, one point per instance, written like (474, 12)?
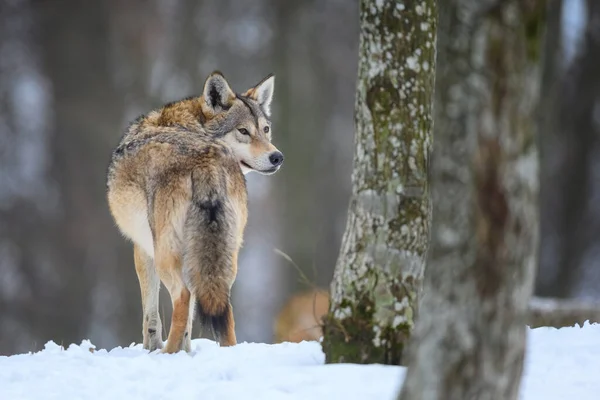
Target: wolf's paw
(156, 345)
(153, 345)
(167, 350)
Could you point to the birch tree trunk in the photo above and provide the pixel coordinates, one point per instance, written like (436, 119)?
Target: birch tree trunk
(470, 337)
(379, 271)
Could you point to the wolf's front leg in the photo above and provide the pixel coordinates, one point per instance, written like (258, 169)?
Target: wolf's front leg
(150, 286)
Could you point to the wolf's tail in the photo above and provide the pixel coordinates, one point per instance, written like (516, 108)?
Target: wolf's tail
(208, 257)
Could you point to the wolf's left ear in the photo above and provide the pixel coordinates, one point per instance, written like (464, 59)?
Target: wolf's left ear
(217, 93)
(263, 93)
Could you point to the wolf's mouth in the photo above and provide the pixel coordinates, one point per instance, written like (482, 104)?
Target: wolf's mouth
(269, 171)
(246, 165)
(260, 171)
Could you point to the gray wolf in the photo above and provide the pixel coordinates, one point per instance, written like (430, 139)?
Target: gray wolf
(176, 189)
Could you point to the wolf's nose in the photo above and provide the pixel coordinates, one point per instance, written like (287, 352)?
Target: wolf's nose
(276, 158)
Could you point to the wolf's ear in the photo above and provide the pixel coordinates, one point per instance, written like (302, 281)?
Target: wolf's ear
(217, 93)
(263, 93)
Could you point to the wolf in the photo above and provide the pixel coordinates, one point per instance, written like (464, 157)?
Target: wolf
(176, 188)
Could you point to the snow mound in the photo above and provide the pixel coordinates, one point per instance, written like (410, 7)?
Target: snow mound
(561, 363)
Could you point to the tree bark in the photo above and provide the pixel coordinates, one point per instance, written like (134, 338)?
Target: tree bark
(470, 337)
(379, 271)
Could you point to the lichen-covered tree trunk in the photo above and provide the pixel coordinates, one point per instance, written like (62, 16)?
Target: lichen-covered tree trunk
(379, 271)
(470, 337)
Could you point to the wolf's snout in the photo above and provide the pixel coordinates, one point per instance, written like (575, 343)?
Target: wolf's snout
(276, 158)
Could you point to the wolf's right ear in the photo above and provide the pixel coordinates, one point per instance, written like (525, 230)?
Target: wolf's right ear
(263, 93)
(217, 94)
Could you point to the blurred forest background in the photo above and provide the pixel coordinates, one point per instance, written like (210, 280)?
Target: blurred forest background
(73, 74)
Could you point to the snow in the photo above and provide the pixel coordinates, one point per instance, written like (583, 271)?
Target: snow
(560, 364)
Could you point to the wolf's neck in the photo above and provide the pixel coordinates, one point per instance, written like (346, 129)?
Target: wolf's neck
(185, 113)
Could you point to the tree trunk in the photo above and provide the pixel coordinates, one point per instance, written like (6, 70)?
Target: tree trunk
(570, 187)
(470, 337)
(555, 165)
(380, 267)
(86, 112)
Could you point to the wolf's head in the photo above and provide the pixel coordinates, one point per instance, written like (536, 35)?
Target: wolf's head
(243, 121)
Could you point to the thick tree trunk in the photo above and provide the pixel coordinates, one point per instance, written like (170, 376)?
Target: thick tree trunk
(380, 267)
(470, 337)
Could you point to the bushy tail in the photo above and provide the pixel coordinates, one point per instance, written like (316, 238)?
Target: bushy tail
(219, 324)
(208, 253)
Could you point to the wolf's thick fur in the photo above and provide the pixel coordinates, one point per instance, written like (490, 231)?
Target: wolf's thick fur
(176, 188)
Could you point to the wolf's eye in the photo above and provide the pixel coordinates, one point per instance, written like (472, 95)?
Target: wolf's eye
(266, 129)
(244, 131)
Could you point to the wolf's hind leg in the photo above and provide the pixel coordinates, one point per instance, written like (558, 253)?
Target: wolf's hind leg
(169, 265)
(227, 335)
(187, 337)
(150, 286)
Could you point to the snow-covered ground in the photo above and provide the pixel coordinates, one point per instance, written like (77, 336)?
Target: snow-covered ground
(561, 364)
